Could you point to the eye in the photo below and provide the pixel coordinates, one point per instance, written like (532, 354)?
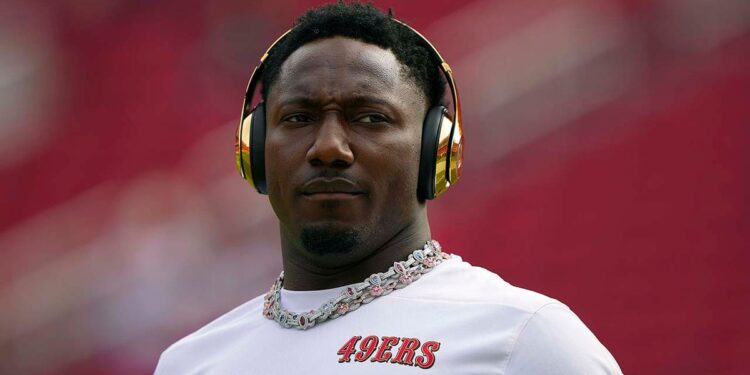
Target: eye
(371, 118)
(298, 118)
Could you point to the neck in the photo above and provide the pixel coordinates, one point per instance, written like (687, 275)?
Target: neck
(304, 271)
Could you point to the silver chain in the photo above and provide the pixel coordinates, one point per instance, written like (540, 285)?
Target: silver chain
(351, 298)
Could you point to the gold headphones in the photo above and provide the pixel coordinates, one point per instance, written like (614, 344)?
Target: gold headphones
(441, 158)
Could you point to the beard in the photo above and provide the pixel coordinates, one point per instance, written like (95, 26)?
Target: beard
(327, 239)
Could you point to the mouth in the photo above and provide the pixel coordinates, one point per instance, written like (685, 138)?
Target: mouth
(337, 188)
(331, 196)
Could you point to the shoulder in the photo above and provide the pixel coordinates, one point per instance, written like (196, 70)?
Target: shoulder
(554, 340)
(181, 355)
(456, 281)
(540, 335)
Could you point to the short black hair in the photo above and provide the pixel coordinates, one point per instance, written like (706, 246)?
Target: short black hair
(367, 24)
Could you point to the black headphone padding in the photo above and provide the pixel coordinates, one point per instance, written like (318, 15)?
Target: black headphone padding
(430, 135)
(258, 147)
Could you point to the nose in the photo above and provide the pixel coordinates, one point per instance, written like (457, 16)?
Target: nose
(331, 146)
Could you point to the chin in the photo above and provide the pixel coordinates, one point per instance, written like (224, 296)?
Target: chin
(330, 238)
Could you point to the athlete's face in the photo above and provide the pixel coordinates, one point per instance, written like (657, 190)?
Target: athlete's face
(344, 127)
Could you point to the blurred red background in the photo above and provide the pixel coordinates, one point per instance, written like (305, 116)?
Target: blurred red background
(606, 166)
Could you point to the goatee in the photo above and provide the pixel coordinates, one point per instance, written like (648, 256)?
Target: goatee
(329, 239)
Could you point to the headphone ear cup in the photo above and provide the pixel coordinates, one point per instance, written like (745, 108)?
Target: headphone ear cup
(258, 148)
(429, 154)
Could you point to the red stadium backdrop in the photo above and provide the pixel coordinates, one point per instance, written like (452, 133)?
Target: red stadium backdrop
(606, 165)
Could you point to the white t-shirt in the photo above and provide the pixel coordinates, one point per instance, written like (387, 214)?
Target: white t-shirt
(456, 319)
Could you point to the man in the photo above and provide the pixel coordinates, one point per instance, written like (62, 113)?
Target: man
(339, 147)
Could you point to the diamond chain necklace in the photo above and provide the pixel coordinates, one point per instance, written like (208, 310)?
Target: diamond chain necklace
(398, 276)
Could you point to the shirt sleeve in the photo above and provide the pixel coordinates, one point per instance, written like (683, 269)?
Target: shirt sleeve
(555, 341)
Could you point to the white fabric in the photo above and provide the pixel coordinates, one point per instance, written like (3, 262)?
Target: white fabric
(483, 326)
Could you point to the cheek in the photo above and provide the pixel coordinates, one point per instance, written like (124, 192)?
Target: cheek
(273, 185)
(280, 157)
(278, 162)
(400, 169)
(274, 168)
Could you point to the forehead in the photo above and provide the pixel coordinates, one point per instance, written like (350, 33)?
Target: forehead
(340, 66)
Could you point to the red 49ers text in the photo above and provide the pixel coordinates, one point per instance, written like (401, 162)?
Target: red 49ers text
(402, 350)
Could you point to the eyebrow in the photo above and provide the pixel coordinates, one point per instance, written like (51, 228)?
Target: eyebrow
(306, 101)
